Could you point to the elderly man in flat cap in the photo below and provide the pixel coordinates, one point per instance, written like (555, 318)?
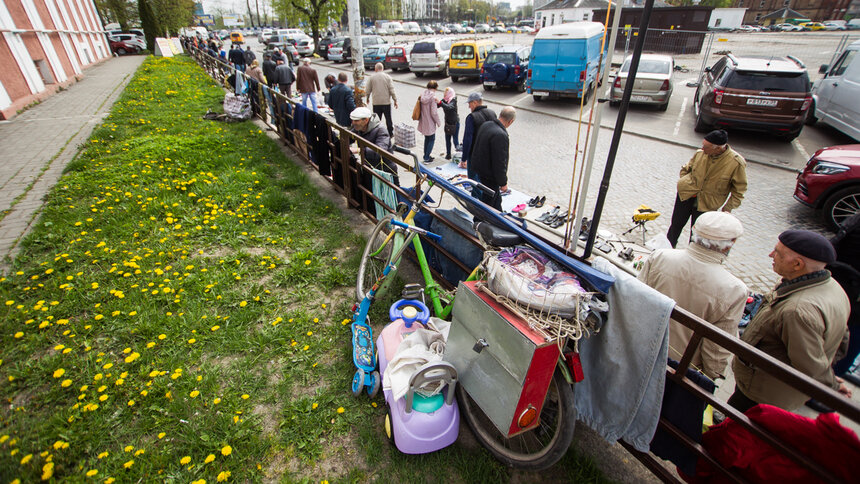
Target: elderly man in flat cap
(698, 282)
(803, 323)
(707, 181)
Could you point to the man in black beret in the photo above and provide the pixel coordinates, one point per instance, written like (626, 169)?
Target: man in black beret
(712, 174)
(802, 322)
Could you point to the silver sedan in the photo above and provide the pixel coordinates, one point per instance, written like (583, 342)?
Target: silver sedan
(653, 83)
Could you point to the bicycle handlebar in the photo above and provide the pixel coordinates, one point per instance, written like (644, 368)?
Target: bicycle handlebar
(478, 184)
(417, 230)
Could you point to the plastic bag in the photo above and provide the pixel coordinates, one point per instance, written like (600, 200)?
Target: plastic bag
(237, 107)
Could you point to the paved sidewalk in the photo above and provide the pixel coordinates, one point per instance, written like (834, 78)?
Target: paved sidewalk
(37, 144)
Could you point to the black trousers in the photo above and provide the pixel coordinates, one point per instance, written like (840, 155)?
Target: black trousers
(740, 401)
(385, 109)
(684, 210)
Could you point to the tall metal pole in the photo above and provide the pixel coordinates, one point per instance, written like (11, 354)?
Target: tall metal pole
(619, 126)
(357, 52)
(598, 116)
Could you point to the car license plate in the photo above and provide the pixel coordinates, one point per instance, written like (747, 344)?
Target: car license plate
(761, 102)
(540, 93)
(489, 83)
(461, 63)
(640, 98)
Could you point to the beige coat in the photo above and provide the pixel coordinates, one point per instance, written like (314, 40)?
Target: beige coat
(381, 87)
(802, 324)
(696, 279)
(712, 178)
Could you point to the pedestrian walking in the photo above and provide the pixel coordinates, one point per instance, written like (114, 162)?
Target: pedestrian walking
(236, 57)
(285, 78)
(802, 323)
(308, 83)
(452, 121)
(342, 100)
(479, 114)
(490, 156)
(699, 282)
(714, 179)
(277, 54)
(380, 91)
(269, 67)
(428, 120)
(249, 56)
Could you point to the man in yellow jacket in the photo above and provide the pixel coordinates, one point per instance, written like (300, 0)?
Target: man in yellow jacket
(715, 178)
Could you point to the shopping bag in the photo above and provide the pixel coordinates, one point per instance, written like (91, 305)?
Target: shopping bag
(237, 107)
(416, 111)
(404, 135)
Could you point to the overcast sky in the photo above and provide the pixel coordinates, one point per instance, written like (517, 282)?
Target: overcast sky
(238, 6)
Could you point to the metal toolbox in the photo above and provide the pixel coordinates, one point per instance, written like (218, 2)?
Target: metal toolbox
(502, 364)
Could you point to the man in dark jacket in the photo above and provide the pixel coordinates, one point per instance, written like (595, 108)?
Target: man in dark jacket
(269, 68)
(236, 57)
(249, 56)
(285, 78)
(342, 100)
(368, 125)
(490, 156)
(474, 120)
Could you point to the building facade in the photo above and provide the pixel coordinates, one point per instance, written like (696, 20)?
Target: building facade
(45, 45)
(815, 10)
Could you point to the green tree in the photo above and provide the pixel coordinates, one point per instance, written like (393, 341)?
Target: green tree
(163, 18)
(316, 14)
(119, 11)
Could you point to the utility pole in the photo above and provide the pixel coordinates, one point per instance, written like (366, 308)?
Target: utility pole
(352, 7)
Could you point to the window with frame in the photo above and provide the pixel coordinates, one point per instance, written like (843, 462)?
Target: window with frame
(843, 63)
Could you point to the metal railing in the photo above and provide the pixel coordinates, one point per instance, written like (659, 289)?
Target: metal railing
(359, 197)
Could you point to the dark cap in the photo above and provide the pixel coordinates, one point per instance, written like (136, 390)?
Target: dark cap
(718, 137)
(809, 244)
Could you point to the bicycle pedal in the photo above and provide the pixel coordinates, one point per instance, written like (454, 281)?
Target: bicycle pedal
(412, 291)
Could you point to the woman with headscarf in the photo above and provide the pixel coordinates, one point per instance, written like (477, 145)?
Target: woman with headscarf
(452, 120)
(428, 120)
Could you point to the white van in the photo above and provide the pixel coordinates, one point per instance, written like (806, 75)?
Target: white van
(412, 27)
(835, 97)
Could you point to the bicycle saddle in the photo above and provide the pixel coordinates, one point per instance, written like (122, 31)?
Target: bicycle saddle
(496, 236)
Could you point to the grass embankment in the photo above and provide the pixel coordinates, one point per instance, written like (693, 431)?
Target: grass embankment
(177, 313)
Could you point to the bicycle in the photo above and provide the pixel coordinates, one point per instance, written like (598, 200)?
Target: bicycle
(536, 449)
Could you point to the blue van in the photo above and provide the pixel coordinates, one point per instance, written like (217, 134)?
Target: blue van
(564, 59)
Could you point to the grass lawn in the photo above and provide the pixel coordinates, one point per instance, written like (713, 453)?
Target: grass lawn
(178, 313)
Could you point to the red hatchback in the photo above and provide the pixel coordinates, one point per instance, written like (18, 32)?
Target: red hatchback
(397, 57)
(831, 182)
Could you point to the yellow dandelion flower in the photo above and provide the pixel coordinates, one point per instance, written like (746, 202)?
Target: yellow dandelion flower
(131, 403)
(223, 476)
(245, 396)
(47, 471)
(209, 458)
(128, 448)
(226, 450)
(66, 383)
(199, 481)
(162, 336)
(128, 464)
(92, 472)
(216, 401)
(340, 410)
(105, 454)
(110, 480)
(27, 458)
(307, 262)
(314, 406)
(161, 435)
(194, 394)
(243, 304)
(185, 460)
(59, 372)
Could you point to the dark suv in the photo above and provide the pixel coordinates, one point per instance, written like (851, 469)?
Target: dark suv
(769, 94)
(506, 66)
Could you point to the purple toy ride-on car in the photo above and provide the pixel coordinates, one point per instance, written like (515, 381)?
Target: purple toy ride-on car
(416, 423)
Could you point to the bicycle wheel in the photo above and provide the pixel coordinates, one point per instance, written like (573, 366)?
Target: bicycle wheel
(375, 257)
(536, 449)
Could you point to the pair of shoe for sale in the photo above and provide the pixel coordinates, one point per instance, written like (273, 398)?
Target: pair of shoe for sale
(537, 201)
(554, 218)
